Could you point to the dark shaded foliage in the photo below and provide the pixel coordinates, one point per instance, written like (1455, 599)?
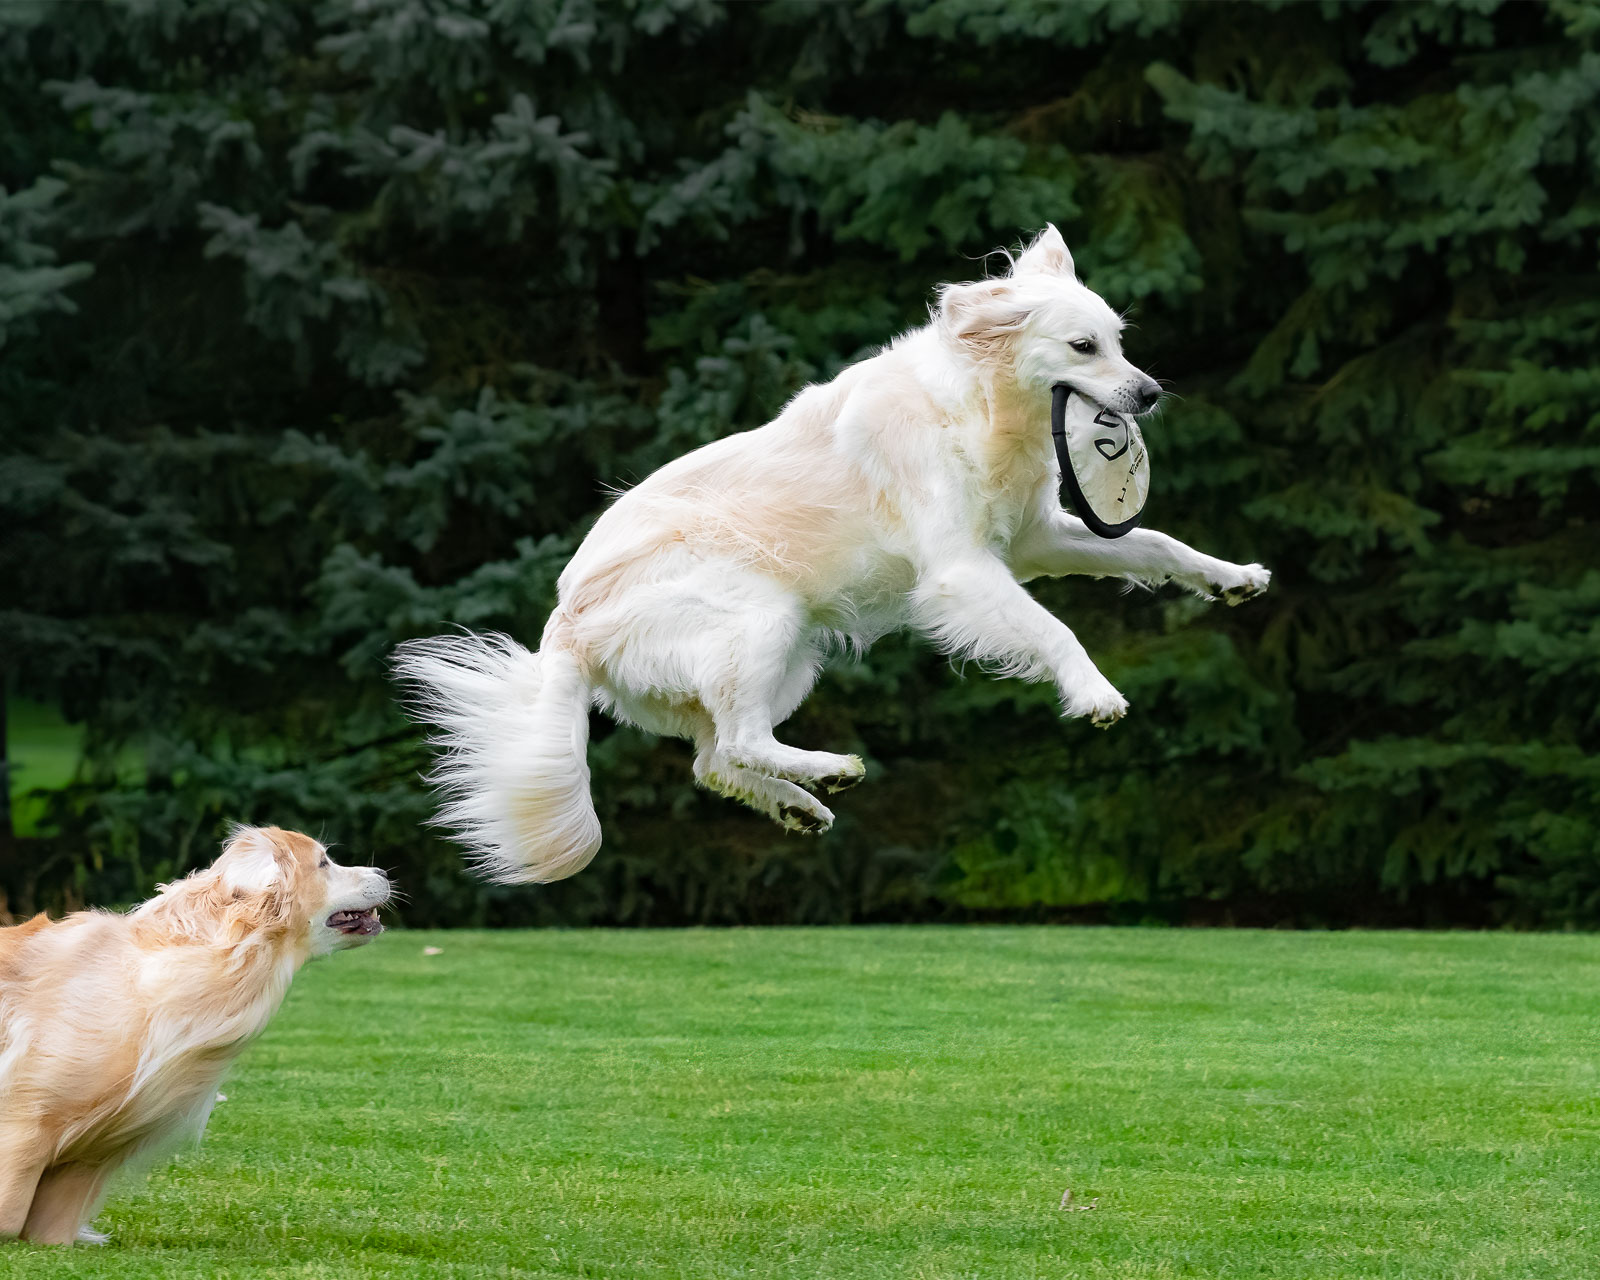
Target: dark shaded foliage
(325, 326)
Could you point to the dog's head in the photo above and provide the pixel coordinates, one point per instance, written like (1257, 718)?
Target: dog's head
(281, 885)
(1041, 325)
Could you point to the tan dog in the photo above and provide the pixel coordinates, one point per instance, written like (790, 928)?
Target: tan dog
(115, 1030)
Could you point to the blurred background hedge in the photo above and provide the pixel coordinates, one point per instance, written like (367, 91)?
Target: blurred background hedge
(328, 324)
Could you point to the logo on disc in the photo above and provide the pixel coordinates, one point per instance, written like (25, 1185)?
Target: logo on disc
(1103, 462)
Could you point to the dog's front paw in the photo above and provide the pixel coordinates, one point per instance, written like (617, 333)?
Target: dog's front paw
(1101, 703)
(1235, 583)
(1254, 580)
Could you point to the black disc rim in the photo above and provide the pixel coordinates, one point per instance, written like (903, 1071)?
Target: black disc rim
(1069, 478)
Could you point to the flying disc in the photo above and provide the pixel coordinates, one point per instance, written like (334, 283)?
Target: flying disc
(1103, 462)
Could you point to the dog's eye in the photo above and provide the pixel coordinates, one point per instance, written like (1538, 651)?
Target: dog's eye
(325, 863)
(1083, 346)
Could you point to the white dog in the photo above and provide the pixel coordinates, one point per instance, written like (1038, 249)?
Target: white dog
(917, 489)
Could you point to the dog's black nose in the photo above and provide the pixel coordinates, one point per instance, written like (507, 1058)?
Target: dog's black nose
(1149, 392)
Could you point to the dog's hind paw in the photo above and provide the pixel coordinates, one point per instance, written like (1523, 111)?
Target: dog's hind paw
(846, 778)
(791, 817)
(792, 807)
(797, 810)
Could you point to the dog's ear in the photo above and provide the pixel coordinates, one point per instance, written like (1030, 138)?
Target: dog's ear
(1047, 255)
(250, 862)
(982, 314)
(256, 874)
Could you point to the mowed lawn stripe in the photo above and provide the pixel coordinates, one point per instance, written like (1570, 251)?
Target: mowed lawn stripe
(905, 1102)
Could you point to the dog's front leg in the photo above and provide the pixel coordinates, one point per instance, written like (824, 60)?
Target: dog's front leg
(66, 1199)
(1058, 544)
(973, 607)
(24, 1154)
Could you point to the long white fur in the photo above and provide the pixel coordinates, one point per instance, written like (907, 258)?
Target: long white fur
(916, 489)
(516, 729)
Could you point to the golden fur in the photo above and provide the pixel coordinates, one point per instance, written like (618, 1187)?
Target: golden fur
(115, 1030)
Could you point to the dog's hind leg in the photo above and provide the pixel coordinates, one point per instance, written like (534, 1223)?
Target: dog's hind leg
(817, 769)
(770, 668)
(721, 654)
(737, 756)
(791, 807)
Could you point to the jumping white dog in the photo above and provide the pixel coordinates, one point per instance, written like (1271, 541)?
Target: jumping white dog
(917, 489)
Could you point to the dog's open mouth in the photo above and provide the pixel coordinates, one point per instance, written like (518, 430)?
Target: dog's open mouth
(358, 923)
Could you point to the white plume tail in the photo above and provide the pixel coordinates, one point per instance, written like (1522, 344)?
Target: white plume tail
(514, 769)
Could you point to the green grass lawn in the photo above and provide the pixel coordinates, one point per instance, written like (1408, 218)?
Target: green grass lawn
(910, 1102)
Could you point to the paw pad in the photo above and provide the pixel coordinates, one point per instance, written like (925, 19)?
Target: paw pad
(794, 818)
(845, 778)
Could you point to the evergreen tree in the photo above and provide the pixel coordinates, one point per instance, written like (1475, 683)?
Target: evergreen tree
(326, 326)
